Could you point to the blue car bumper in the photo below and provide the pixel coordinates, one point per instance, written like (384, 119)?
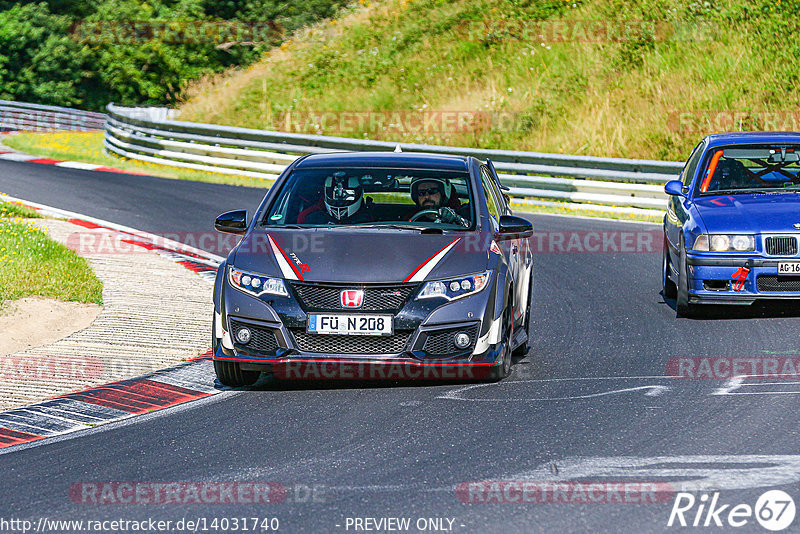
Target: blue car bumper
(713, 280)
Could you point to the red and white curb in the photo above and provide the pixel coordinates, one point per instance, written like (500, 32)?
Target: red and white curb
(203, 263)
(106, 403)
(19, 156)
(110, 402)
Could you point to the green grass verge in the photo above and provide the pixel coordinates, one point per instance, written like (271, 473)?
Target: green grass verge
(32, 264)
(87, 147)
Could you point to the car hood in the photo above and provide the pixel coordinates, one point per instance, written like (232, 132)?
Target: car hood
(361, 256)
(750, 214)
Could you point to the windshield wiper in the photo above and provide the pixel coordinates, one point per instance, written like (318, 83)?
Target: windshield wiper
(735, 191)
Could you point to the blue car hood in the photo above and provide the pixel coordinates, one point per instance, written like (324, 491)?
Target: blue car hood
(360, 256)
(750, 214)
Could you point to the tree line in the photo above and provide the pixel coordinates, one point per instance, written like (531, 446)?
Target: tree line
(86, 53)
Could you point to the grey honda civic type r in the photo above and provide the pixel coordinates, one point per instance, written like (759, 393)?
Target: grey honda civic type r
(375, 265)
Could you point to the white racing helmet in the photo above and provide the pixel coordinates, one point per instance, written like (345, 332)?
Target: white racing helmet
(343, 195)
(444, 185)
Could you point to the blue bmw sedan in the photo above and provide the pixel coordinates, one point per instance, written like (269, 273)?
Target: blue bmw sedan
(733, 221)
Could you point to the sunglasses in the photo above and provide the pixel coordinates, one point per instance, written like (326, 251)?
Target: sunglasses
(428, 192)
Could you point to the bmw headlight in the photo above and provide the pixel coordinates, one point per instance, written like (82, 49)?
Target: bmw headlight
(725, 243)
(455, 288)
(256, 284)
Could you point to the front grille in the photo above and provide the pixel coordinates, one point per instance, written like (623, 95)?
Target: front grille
(442, 342)
(781, 246)
(773, 282)
(327, 297)
(262, 340)
(336, 344)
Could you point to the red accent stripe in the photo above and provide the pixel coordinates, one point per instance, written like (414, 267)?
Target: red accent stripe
(10, 437)
(85, 224)
(371, 362)
(421, 265)
(46, 161)
(288, 260)
(137, 396)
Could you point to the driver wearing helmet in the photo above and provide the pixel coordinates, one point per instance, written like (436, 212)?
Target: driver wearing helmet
(343, 200)
(436, 201)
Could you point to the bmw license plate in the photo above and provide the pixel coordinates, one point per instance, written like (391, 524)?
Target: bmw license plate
(789, 267)
(350, 325)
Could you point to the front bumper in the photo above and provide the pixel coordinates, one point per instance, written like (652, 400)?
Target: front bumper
(712, 279)
(420, 346)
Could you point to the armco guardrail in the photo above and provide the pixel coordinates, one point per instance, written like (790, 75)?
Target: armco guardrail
(38, 117)
(149, 134)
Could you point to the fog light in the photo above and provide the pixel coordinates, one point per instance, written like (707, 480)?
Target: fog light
(461, 340)
(243, 336)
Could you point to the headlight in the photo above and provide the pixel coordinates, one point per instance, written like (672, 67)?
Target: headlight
(256, 284)
(725, 243)
(455, 288)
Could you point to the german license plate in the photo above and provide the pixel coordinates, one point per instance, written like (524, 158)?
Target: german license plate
(350, 325)
(789, 267)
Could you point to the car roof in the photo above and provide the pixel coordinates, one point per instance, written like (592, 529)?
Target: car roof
(733, 138)
(411, 160)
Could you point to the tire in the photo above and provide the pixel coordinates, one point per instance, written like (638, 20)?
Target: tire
(501, 371)
(682, 305)
(522, 350)
(668, 287)
(229, 374)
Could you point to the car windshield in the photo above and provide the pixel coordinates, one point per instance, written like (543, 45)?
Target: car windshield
(750, 169)
(338, 197)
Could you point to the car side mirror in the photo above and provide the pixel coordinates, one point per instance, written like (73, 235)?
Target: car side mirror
(675, 188)
(232, 222)
(512, 226)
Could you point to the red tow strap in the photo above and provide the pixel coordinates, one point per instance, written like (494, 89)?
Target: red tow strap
(740, 276)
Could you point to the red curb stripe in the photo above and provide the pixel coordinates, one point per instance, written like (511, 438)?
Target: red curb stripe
(205, 356)
(120, 171)
(139, 396)
(46, 161)
(147, 246)
(10, 437)
(197, 267)
(85, 224)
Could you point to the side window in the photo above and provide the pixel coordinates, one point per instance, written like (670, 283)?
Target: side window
(691, 165)
(488, 189)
